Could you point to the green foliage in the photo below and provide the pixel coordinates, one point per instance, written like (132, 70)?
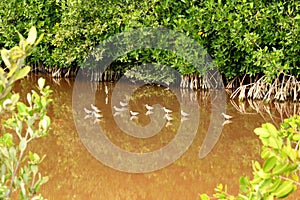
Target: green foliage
(278, 176)
(21, 124)
(243, 36)
(21, 16)
(237, 32)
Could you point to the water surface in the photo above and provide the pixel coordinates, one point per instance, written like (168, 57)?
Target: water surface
(76, 174)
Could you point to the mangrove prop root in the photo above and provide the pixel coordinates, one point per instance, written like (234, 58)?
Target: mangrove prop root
(283, 88)
(194, 81)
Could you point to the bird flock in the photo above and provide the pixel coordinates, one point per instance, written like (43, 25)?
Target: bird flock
(95, 113)
(150, 110)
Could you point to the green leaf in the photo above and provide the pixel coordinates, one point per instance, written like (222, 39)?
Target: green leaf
(15, 98)
(296, 137)
(22, 108)
(280, 168)
(39, 39)
(244, 181)
(40, 182)
(5, 153)
(256, 165)
(271, 128)
(34, 158)
(273, 187)
(12, 152)
(30, 155)
(21, 38)
(32, 35)
(45, 122)
(3, 169)
(41, 83)
(269, 164)
(22, 73)
(34, 169)
(284, 189)
(12, 71)
(275, 143)
(204, 197)
(262, 132)
(265, 184)
(23, 144)
(7, 139)
(265, 153)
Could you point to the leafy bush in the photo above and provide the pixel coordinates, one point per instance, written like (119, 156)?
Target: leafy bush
(252, 37)
(21, 124)
(279, 175)
(243, 36)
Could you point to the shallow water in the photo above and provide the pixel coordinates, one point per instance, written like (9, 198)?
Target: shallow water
(77, 174)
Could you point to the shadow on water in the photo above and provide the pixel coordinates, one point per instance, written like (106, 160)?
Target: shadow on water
(76, 174)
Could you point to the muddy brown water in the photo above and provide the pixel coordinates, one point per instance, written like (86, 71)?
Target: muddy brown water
(74, 173)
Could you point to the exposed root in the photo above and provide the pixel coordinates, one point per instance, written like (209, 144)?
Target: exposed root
(194, 81)
(56, 73)
(283, 88)
(68, 73)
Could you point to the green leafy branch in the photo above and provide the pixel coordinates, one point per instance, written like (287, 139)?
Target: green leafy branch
(278, 176)
(19, 172)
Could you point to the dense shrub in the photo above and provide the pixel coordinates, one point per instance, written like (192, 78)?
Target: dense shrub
(243, 36)
(250, 36)
(21, 16)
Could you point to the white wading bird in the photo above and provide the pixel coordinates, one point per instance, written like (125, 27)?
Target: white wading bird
(226, 117)
(93, 113)
(134, 113)
(95, 108)
(167, 110)
(149, 108)
(184, 114)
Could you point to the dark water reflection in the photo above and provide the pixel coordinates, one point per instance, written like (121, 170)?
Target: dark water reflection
(75, 174)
